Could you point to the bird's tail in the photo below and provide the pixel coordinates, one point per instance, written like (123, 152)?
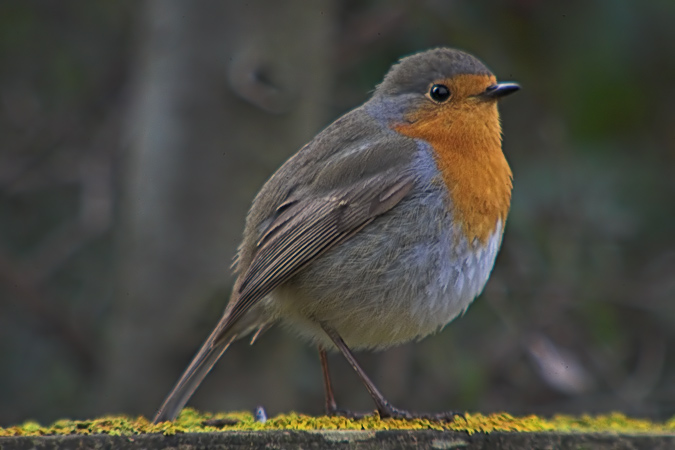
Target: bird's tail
(207, 356)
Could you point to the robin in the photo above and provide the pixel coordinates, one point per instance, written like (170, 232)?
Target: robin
(381, 230)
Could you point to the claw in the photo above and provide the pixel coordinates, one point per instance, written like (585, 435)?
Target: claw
(394, 413)
(353, 415)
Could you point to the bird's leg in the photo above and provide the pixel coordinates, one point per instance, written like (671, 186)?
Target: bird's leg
(331, 406)
(384, 408)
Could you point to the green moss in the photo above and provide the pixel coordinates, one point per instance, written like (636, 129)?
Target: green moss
(191, 421)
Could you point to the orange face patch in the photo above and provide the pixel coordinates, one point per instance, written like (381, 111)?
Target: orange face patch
(466, 137)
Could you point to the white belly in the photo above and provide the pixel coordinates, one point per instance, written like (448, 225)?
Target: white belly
(389, 286)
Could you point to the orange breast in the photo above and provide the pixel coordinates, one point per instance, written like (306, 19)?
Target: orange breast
(466, 139)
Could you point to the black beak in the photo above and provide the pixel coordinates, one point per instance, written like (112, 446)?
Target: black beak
(499, 90)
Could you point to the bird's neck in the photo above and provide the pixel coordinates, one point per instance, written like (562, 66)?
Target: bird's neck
(468, 151)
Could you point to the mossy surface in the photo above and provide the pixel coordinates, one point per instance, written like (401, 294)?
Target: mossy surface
(191, 421)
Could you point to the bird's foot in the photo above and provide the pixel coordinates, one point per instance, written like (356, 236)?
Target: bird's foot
(391, 412)
(354, 415)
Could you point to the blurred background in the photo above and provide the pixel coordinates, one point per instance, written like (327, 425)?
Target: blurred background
(134, 134)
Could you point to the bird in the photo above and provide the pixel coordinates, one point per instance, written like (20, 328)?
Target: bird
(379, 231)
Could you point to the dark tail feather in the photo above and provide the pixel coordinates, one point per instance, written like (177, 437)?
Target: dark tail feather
(201, 365)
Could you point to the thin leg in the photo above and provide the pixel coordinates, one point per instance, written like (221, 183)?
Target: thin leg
(331, 405)
(384, 408)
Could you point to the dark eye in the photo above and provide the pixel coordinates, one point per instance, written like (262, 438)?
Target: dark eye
(439, 93)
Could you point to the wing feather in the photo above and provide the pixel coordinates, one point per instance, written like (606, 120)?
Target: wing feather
(306, 228)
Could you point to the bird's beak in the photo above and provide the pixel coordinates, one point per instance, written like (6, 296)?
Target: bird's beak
(499, 90)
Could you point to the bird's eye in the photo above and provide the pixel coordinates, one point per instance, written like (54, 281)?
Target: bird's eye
(439, 93)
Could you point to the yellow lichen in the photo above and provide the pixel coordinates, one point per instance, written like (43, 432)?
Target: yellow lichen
(192, 421)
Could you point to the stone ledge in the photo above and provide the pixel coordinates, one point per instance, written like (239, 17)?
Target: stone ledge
(333, 439)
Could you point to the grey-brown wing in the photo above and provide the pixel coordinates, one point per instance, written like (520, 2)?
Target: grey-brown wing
(305, 228)
(302, 230)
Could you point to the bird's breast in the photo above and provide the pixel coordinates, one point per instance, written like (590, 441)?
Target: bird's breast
(466, 144)
(404, 276)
